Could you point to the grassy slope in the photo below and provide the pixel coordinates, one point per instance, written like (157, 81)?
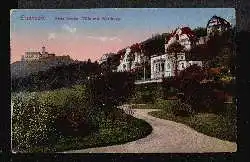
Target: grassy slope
(116, 133)
(210, 124)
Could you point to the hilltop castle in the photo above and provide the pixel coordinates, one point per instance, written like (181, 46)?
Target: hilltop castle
(31, 56)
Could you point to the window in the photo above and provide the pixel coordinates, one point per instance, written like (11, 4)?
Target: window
(124, 66)
(177, 37)
(162, 66)
(182, 65)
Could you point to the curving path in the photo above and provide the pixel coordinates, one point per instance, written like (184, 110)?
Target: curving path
(166, 137)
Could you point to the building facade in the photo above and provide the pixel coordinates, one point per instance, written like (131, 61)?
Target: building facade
(30, 56)
(164, 66)
(130, 61)
(167, 64)
(217, 25)
(185, 36)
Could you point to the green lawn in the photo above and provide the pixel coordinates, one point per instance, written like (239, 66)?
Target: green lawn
(219, 126)
(118, 132)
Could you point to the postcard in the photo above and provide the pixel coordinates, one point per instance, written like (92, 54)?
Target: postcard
(123, 80)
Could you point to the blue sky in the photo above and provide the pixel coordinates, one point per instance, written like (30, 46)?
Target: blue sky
(153, 19)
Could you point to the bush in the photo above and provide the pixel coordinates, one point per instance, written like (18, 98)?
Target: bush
(192, 72)
(182, 109)
(166, 105)
(40, 118)
(149, 93)
(30, 121)
(205, 99)
(175, 107)
(109, 90)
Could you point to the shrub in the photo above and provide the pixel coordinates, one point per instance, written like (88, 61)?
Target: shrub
(205, 99)
(175, 107)
(192, 72)
(182, 109)
(166, 105)
(109, 90)
(30, 121)
(40, 118)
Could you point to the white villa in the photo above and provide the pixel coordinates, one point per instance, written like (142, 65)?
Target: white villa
(164, 65)
(130, 61)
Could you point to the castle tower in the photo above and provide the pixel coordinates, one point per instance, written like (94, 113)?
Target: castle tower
(43, 50)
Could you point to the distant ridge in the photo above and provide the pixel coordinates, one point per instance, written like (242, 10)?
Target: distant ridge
(25, 68)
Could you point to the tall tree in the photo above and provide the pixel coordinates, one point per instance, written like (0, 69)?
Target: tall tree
(200, 32)
(173, 50)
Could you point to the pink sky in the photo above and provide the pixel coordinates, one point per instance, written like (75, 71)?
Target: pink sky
(78, 47)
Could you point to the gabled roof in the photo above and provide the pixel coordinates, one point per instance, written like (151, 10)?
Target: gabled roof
(219, 20)
(184, 30)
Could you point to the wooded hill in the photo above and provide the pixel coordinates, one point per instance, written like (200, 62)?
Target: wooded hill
(23, 68)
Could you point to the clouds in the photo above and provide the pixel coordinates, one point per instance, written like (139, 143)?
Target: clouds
(104, 39)
(68, 28)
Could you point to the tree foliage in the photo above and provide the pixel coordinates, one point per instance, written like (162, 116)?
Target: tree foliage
(174, 49)
(56, 77)
(200, 32)
(154, 45)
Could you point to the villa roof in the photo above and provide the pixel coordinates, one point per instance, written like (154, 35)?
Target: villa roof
(218, 21)
(184, 30)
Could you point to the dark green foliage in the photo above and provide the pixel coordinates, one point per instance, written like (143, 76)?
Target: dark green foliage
(151, 92)
(23, 68)
(37, 116)
(110, 89)
(182, 109)
(174, 107)
(56, 77)
(173, 49)
(154, 45)
(193, 72)
(68, 119)
(202, 97)
(111, 64)
(222, 126)
(200, 32)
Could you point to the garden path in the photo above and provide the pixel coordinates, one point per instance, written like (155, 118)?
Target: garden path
(166, 137)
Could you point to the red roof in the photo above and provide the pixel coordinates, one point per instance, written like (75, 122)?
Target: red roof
(184, 30)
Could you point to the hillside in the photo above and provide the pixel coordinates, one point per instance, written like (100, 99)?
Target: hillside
(23, 69)
(55, 77)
